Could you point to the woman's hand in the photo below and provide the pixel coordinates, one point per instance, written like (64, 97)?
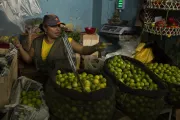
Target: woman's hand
(16, 43)
(100, 46)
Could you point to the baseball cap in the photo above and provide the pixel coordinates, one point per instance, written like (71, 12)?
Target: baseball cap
(51, 20)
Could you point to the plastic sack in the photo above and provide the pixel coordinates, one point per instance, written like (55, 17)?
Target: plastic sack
(32, 25)
(128, 45)
(15, 10)
(30, 7)
(24, 112)
(93, 63)
(14, 18)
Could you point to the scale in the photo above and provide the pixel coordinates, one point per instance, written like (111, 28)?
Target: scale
(117, 30)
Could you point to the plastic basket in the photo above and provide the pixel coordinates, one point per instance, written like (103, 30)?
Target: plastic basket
(163, 5)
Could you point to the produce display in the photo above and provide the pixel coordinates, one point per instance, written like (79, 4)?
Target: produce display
(96, 103)
(166, 72)
(83, 110)
(171, 23)
(139, 107)
(170, 75)
(137, 93)
(31, 98)
(4, 39)
(90, 82)
(130, 75)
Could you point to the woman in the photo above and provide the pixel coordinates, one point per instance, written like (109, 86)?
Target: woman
(48, 51)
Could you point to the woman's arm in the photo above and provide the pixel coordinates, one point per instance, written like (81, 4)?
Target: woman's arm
(86, 50)
(26, 56)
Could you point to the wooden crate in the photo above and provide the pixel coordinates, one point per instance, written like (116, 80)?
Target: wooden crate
(6, 82)
(90, 40)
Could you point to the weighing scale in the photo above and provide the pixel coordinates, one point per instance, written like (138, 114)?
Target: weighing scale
(120, 28)
(118, 32)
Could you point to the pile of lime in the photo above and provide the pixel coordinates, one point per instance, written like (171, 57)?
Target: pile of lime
(170, 75)
(140, 107)
(31, 98)
(166, 72)
(90, 82)
(130, 75)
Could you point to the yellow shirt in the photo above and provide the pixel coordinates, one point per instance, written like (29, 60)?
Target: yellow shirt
(47, 47)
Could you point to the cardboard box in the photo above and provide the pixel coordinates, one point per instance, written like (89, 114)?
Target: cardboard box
(78, 60)
(6, 82)
(90, 40)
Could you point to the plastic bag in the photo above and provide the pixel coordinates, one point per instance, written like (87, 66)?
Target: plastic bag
(128, 45)
(15, 10)
(25, 112)
(93, 63)
(30, 7)
(10, 13)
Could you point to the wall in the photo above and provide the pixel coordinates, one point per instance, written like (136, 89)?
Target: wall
(90, 12)
(129, 13)
(97, 12)
(65, 9)
(8, 27)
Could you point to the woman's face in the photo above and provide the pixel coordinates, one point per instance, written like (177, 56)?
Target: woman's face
(53, 31)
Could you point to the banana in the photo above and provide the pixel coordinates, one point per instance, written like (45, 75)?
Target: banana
(140, 55)
(145, 55)
(140, 47)
(148, 54)
(150, 57)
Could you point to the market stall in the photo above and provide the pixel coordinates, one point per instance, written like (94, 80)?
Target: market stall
(134, 79)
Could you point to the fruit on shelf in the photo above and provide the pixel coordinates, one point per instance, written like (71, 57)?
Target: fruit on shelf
(161, 23)
(171, 23)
